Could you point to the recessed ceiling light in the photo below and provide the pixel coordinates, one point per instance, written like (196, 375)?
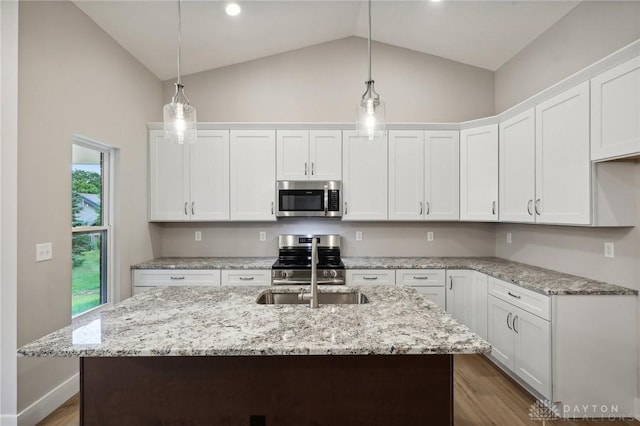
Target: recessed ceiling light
(233, 9)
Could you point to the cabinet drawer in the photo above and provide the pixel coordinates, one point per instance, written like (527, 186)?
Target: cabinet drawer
(433, 293)
(173, 277)
(371, 277)
(246, 277)
(532, 302)
(420, 277)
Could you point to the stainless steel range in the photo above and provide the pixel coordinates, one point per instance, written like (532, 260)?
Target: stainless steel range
(293, 266)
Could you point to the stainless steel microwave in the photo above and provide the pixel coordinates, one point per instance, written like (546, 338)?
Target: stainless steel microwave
(309, 198)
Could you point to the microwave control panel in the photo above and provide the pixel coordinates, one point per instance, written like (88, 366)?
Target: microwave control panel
(334, 200)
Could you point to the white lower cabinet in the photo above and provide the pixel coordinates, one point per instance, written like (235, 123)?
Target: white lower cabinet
(147, 279)
(370, 277)
(428, 282)
(519, 329)
(246, 277)
(467, 299)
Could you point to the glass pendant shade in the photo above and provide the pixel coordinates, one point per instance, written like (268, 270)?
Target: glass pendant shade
(180, 122)
(371, 120)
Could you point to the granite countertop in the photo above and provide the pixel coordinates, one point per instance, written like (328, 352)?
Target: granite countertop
(207, 263)
(540, 280)
(214, 321)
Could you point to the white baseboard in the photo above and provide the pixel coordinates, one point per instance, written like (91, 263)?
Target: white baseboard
(9, 420)
(49, 402)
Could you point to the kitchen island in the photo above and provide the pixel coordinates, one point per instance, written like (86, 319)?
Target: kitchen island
(214, 356)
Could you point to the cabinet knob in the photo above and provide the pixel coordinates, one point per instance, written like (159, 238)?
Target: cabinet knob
(312, 168)
(186, 212)
(514, 323)
(305, 168)
(538, 206)
(193, 208)
(420, 208)
(529, 203)
(346, 205)
(428, 208)
(493, 208)
(509, 322)
(272, 207)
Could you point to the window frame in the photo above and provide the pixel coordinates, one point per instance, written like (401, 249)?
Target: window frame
(108, 175)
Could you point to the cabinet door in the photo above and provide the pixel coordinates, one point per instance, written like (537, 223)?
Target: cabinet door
(406, 175)
(517, 168)
(479, 174)
(253, 175)
(477, 318)
(364, 177)
(458, 284)
(615, 108)
(325, 154)
(533, 351)
(442, 175)
(293, 155)
(562, 158)
(168, 179)
(209, 176)
(500, 333)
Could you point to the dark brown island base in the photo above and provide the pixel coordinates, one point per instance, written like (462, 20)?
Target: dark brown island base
(329, 390)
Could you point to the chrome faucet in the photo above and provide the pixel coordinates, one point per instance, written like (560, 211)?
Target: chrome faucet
(313, 296)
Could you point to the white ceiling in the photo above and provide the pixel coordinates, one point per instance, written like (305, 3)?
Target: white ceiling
(481, 33)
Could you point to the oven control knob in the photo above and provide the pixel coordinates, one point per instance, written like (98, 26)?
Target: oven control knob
(333, 273)
(286, 274)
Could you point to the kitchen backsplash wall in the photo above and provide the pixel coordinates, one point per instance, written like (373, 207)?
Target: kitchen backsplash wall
(378, 239)
(324, 83)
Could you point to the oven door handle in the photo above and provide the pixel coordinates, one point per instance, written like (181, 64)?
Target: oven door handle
(306, 282)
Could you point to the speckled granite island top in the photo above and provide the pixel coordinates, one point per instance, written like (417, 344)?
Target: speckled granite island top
(213, 321)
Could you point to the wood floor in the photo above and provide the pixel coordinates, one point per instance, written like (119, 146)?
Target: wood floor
(483, 395)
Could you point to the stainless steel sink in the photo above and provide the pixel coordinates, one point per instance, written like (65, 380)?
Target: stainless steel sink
(275, 297)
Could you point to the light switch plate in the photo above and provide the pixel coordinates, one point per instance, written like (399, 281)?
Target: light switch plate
(263, 236)
(44, 251)
(430, 236)
(509, 238)
(198, 236)
(358, 235)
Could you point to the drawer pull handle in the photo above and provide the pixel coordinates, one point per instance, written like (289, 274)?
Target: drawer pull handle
(513, 295)
(370, 278)
(420, 278)
(508, 323)
(246, 278)
(177, 278)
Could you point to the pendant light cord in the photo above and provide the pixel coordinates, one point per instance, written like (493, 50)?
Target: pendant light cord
(369, 40)
(179, 38)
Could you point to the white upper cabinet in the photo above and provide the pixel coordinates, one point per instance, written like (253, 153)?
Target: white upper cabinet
(364, 175)
(209, 176)
(325, 154)
(562, 158)
(189, 181)
(293, 155)
(615, 111)
(442, 175)
(309, 155)
(253, 175)
(479, 174)
(423, 175)
(517, 168)
(406, 175)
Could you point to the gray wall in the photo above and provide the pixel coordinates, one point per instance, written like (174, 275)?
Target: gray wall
(73, 79)
(324, 83)
(378, 238)
(585, 35)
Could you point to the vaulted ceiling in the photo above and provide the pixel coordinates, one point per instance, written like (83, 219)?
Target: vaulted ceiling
(485, 34)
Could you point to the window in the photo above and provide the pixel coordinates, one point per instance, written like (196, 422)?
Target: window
(91, 192)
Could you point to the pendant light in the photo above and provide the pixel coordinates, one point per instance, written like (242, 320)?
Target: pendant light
(370, 122)
(179, 116)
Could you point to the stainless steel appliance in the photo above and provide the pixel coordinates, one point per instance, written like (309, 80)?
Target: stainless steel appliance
(293, 266)
(309, 198)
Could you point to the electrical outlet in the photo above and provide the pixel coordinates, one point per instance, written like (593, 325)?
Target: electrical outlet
(44, 251)
(609, 250)
(358, 235)
(429, 236)
(198, 236)
(508, 237)
(263, 236)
